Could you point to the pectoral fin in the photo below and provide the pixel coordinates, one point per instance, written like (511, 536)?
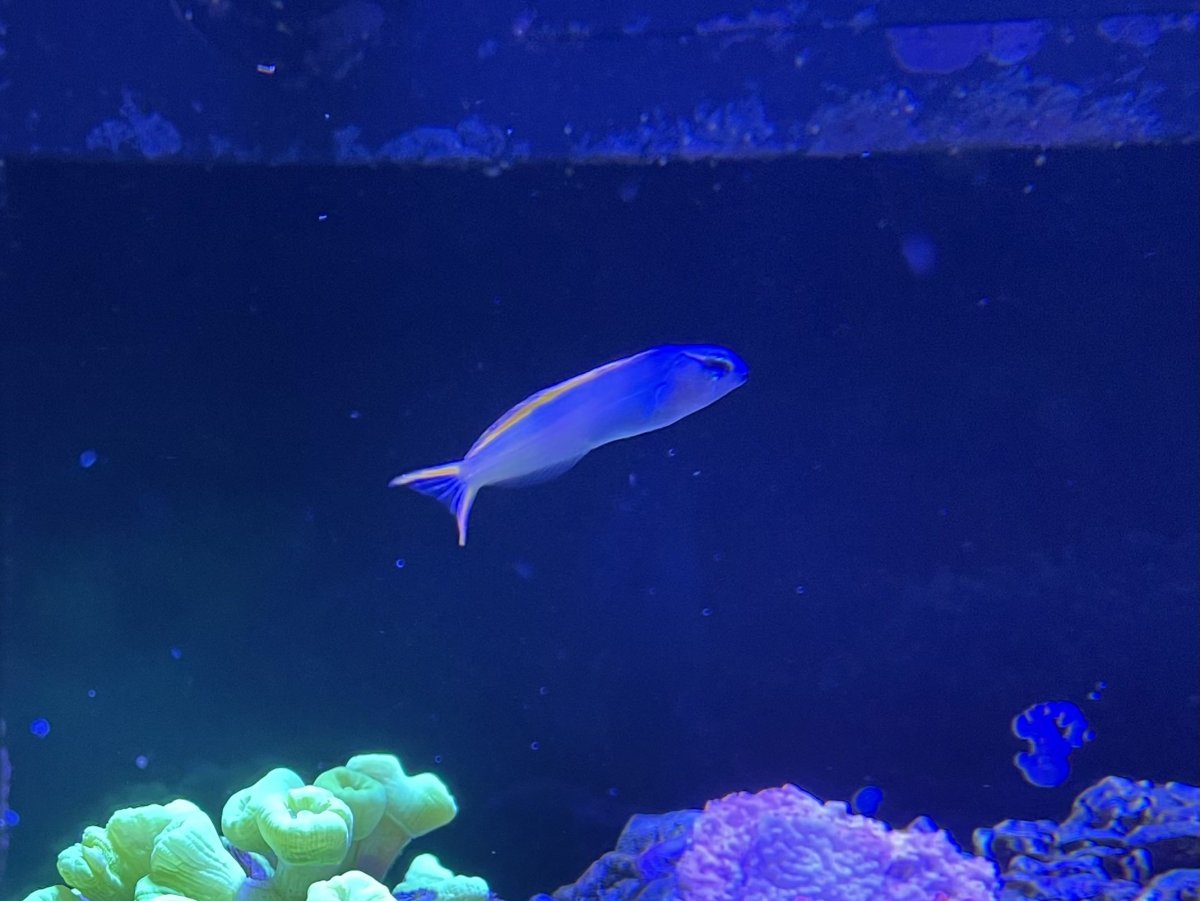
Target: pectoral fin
(654, 399)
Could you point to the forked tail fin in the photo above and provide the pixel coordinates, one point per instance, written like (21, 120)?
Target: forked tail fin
(447, 484)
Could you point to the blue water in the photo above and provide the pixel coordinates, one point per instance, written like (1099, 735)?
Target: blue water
(960, 481)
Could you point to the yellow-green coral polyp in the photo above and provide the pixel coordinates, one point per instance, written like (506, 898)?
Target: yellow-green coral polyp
(331, 840)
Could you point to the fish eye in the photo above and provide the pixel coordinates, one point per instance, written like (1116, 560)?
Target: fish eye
(715, 367)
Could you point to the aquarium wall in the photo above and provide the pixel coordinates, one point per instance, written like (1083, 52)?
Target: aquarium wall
(820, 382)
(354, 81)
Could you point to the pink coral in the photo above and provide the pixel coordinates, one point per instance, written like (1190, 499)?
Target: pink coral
(783, 844)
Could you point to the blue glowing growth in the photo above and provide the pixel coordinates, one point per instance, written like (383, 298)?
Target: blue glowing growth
(866, 800)
(1053, 729)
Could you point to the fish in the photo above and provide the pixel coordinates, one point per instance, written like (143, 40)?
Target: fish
(549, 432)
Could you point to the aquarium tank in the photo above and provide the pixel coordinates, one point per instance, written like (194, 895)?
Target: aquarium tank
(562, 450)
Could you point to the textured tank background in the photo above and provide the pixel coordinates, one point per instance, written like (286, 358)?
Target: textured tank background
(638, 80)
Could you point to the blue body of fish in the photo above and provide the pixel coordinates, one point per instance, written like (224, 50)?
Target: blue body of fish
(548, 432)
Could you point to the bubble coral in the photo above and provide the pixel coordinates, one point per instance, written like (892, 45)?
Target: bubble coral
(784, 843)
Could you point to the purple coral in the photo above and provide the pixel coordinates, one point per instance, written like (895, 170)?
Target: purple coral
(784, 843)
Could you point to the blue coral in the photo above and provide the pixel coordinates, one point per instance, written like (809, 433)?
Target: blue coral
(1053, 729)
(1123, 840)
(642, 865)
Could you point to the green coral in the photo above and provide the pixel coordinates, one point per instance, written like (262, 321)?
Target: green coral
(427, 872)
(353, 886)
(414, 806)
(335, 838)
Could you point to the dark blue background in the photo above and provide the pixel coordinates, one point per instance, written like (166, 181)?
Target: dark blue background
(983, 478)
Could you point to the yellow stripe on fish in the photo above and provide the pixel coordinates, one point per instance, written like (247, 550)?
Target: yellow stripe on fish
(536, 401)
(550, 431)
